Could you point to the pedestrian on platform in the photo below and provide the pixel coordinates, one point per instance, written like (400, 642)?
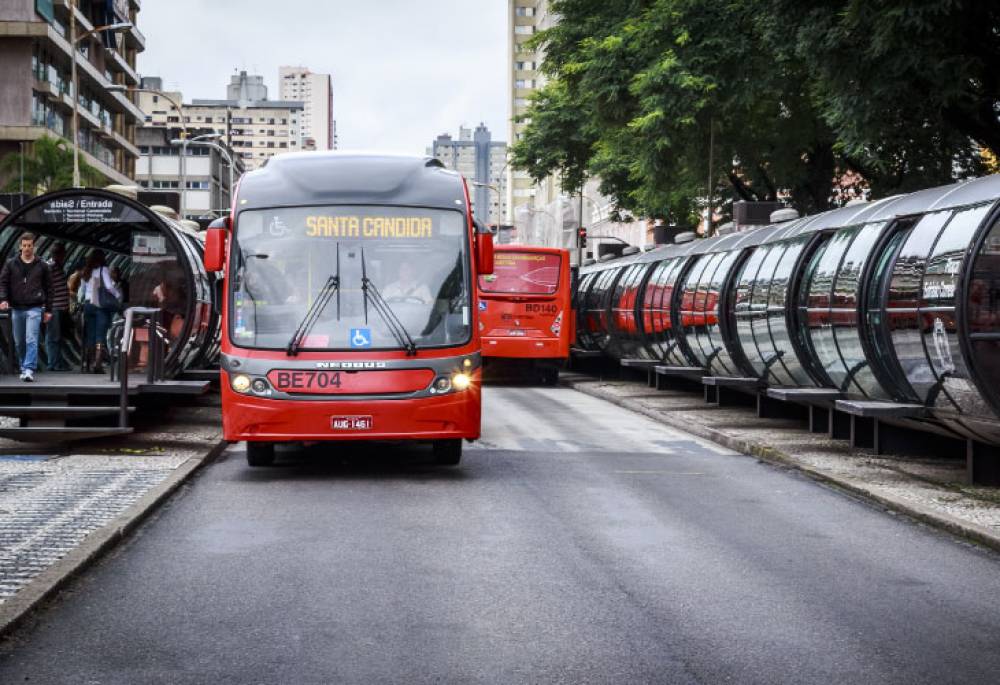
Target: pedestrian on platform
(101, 299)
(61, 326)
(26, 289)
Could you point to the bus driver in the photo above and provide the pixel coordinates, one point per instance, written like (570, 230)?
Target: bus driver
(407, 288)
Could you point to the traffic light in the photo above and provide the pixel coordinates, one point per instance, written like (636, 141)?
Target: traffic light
(581, 237)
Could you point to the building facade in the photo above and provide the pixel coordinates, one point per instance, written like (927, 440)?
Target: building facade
(482, 161)
(203, 181)
(256, 129)
(36, 88)
(315, 91)
(542, 213)
(526, 18)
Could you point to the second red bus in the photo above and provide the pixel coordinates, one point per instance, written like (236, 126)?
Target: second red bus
(525, 307)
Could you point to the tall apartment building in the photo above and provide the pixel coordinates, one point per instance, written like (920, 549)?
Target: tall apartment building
(527, 17)
(316, 92)
(481, 160)
(36, 89)
(255, 127)
(541, 212)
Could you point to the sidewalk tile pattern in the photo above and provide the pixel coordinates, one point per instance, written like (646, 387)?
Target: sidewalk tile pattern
(48, 507)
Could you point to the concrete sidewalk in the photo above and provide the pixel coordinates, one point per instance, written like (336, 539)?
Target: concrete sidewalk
(60, 509)
(928, 489)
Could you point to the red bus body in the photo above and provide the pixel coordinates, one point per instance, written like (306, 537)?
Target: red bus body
(525, 305)
(374, 393)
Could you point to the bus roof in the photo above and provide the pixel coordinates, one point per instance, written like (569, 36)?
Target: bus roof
(351, 178)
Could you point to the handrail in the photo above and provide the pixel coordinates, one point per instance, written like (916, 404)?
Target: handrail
(154, 365)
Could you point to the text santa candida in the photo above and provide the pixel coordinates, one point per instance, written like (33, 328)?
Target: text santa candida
(369, 227)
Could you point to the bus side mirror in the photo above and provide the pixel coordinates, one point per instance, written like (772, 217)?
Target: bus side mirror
(484, 253)
(215, 249)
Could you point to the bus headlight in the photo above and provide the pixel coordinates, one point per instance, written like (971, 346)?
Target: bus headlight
(259, 386)
(240, 382)
(461, 381)
(442, 385)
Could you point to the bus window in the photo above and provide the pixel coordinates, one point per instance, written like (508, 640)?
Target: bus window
(528, 273)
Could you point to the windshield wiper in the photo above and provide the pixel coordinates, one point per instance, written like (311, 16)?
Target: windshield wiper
(379, 304)
(329, 289)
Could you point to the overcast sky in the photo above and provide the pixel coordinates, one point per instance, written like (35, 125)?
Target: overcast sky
(403, 70)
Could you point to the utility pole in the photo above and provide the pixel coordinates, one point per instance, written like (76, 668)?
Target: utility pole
(711, 164)
(76, 94)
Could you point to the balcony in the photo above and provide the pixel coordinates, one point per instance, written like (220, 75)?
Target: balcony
(135, 39)
(117, 62)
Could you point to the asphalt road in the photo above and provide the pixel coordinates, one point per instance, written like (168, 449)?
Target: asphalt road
(577, 543)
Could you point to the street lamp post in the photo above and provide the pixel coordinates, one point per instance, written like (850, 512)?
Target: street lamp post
(73, 41)
(205, 141)
(180, 116)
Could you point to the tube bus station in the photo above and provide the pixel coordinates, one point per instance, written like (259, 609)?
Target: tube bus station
(159, 263)
(876, 317)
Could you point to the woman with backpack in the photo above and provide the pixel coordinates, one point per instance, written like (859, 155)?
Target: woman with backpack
(101, 298)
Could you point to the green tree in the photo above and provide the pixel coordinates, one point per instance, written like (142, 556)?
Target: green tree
(788, 97)
(911, 87)
(48, 166)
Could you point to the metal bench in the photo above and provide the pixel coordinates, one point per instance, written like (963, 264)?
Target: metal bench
(647, 365)
(868, 429)
(716, 386)
(663, 374)
(819, 403)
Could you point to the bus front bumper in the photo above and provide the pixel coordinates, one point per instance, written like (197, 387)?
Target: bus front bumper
(452, 416)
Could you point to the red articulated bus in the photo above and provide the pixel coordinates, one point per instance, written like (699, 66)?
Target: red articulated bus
(349, 311)
(525, 307)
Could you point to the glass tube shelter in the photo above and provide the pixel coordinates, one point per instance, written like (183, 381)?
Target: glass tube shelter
(894, 300)
(158, 260)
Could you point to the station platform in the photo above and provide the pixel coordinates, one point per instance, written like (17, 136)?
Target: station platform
(60, 407)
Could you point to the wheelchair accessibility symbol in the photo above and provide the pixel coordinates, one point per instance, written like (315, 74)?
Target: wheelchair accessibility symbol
(361, 337)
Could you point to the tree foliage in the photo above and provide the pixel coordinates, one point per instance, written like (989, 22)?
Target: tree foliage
(785, 96)
(47, 166)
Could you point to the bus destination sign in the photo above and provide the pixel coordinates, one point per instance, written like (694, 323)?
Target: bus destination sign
(369, 227)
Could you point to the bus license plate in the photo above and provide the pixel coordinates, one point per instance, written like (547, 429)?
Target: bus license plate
(351, 423)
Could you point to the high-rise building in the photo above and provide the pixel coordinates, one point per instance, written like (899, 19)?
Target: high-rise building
(316, 92)
(256, 129)
(36, 89)
(481, 161)
(527, 17)
(244, 87)
(542, 212)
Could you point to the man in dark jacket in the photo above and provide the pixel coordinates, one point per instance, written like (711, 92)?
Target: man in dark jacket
(26, 288)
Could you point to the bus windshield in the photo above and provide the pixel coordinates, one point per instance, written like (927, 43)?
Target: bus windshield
(413, 261)
(529, 273)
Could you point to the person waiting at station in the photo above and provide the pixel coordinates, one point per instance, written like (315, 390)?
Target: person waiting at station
(168, 295)
(407, 288)
(101, 298)
(120, 282)
(61, 326)
(26, 289)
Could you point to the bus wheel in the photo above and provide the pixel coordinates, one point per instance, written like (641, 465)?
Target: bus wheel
(549, 375)
(447, 452)
(260, 453)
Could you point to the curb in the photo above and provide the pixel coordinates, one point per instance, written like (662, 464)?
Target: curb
(97, 544)
(770, 455)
